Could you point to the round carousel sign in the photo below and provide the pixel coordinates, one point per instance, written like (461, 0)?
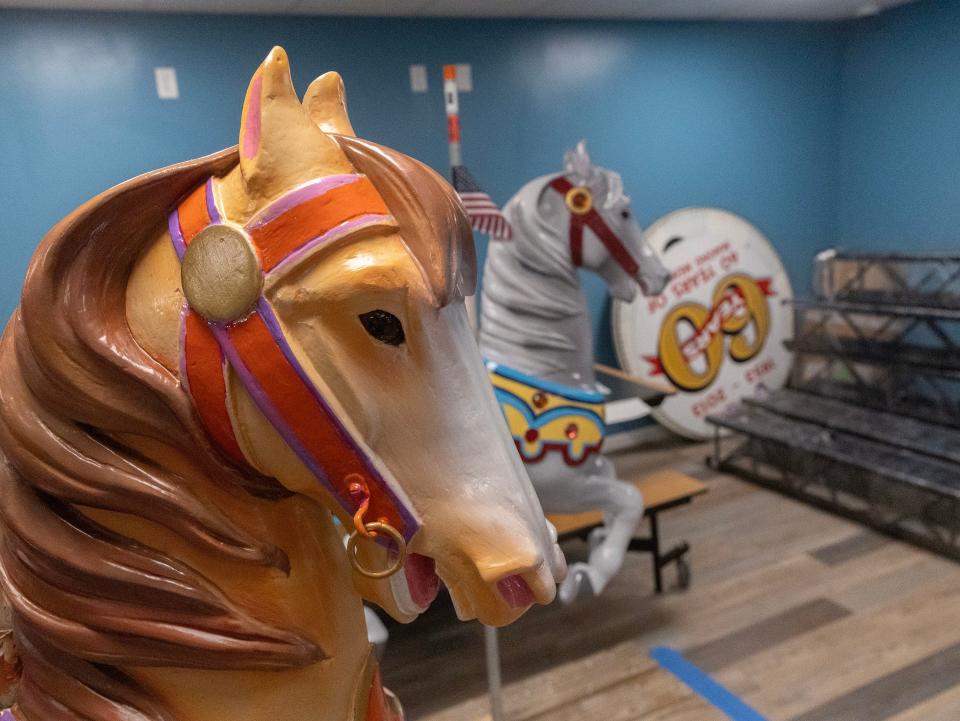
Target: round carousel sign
(717, 331)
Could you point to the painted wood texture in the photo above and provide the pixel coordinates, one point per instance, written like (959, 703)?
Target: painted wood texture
(805, 616)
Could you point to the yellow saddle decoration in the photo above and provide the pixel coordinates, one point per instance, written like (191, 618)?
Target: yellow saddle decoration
(545, 416)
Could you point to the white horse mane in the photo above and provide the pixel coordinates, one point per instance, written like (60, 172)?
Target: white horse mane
(605, 184)
(577, 163)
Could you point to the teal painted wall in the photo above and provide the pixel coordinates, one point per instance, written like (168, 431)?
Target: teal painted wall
(900, 130)
(743, 116)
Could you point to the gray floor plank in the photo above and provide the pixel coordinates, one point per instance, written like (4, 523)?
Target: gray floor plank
(889, 695)
(855, 546)
(759, 636)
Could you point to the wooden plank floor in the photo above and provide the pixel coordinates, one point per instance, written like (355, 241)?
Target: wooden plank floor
(803, 615)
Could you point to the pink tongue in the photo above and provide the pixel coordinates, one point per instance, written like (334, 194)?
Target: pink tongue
(515, 591)
(422, 579)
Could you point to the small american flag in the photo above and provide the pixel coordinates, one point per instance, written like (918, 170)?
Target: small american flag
(485, 216)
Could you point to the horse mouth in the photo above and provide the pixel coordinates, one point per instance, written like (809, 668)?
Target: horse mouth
(653, 284)
(516, 591)
(423, 583)
(501, 601)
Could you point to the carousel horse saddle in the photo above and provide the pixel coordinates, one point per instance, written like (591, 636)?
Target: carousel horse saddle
(545, 416)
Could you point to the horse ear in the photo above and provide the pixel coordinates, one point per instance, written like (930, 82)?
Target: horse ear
(280, 145)
(577, 163)
(326, 104)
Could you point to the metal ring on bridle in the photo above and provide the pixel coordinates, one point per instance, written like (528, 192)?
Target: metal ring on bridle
(374, 527)
(220, 273)
(579, 200)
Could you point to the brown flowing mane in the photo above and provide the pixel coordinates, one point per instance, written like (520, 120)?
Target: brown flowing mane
(73, 382)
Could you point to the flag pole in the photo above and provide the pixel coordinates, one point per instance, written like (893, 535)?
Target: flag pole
(491, 644)
(451, 101)
(485, 216)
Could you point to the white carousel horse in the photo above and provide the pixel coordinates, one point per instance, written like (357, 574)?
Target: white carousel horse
(535, 334)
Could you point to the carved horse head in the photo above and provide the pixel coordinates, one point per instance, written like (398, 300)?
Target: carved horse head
(583, 218)
(208, 363)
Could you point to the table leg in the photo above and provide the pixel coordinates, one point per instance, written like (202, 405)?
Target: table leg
(655, 542)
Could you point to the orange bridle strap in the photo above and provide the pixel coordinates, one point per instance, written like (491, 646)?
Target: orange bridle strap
(255, 349)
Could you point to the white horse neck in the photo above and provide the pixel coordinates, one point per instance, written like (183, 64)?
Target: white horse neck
(534, 317)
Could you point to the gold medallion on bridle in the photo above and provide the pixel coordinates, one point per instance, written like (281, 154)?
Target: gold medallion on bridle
(220, 274)
(579, 200)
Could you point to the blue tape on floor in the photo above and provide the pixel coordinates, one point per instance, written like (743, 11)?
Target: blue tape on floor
(701, 684)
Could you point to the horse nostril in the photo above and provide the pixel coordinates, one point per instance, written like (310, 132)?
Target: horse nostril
(516, 591)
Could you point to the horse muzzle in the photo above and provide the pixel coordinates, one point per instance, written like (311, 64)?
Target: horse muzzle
(653, 283)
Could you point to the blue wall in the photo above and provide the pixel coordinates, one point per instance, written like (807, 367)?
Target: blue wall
(900, 130)
(739, 115)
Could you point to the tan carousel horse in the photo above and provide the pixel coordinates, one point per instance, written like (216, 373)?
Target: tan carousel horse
(209, 363)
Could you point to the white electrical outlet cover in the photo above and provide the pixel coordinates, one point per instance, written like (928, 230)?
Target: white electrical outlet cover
(418, 78)
(464, 77)
(167, 86)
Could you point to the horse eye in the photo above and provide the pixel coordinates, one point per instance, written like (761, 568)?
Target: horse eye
(625, 214)
(383, 326)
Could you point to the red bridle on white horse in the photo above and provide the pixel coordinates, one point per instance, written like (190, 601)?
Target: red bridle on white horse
(579, 201)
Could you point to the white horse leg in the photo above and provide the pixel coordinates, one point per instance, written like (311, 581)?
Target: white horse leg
(622, 506)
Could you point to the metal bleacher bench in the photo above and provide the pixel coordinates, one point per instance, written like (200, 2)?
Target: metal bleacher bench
(869, 425)
(661, 491)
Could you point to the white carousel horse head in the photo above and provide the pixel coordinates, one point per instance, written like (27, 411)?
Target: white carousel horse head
(541, 216)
